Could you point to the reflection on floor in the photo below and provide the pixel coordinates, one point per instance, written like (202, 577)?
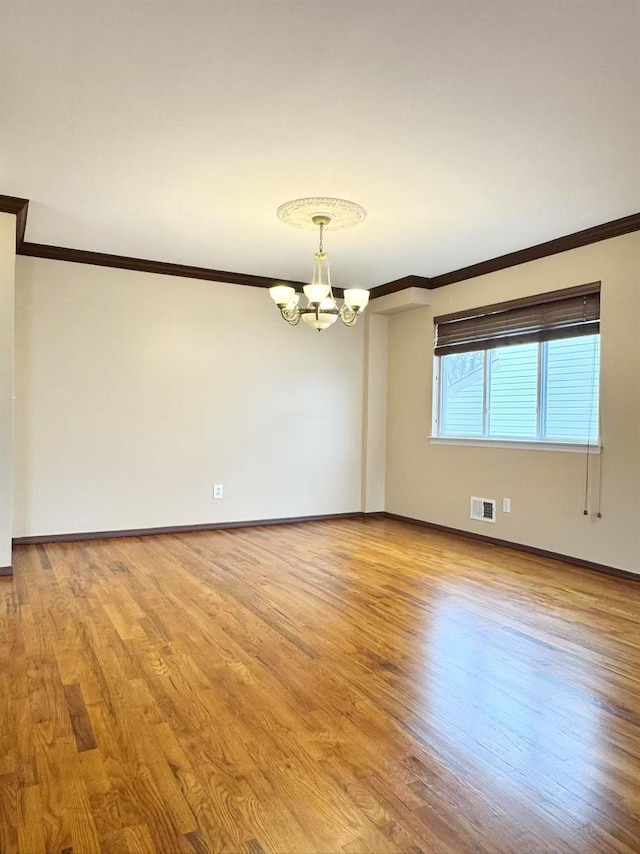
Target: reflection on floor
(341, 686)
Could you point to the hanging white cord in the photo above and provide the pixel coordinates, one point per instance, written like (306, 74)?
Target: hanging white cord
(599, 513)
(585, 510)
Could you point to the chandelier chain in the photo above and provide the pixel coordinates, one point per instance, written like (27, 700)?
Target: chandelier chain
(320, 248)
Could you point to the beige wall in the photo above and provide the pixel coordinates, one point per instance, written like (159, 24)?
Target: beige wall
(434, 482)
(7, 270)
(375, 413)
(136, 392)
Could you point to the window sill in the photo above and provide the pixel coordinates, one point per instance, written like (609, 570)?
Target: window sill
(527, 444)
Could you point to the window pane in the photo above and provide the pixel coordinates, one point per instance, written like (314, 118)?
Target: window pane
(573, 372)
(513, 391)
(462, 380)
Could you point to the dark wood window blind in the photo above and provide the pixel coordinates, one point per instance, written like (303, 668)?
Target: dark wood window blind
(558, 314)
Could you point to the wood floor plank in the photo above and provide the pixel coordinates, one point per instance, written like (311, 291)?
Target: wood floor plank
(56, 825)
(341, 686)
(8, 813)
(83, 827)
(30, 820)
(80, 722)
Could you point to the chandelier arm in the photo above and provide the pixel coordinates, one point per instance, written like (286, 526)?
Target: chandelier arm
(292, 316)
(347, 315)
(349, 321)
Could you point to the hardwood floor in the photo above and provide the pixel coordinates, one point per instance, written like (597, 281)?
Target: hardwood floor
(346, 686)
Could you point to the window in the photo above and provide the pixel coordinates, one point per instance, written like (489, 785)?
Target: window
(527, 370)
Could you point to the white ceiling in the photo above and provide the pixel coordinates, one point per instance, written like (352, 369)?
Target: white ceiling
(173, 130)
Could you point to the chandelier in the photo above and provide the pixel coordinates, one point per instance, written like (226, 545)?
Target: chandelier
(322, 308)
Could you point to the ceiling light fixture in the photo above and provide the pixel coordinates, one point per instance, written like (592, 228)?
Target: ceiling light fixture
(322, 308)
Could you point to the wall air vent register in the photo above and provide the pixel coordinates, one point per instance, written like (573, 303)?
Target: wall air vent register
(483, 509)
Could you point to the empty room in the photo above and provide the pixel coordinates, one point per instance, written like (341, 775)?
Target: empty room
(320, 427)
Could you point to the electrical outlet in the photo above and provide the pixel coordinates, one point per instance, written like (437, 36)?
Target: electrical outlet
(506, 505)
(218, 491)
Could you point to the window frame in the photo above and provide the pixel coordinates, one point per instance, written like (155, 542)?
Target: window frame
(539, 442)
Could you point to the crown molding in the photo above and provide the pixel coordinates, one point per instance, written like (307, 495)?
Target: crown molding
(605, 231)
(19, 207)
(401, 285)
(102, 259)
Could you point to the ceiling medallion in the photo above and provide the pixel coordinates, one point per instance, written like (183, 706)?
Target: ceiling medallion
(341, 213)
(322, 308)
